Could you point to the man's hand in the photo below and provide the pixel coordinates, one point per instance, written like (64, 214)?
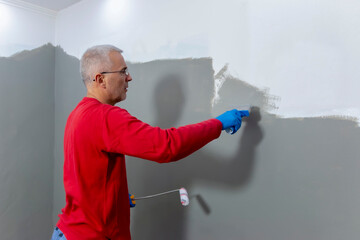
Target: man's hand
(132, 201)
(232, 119)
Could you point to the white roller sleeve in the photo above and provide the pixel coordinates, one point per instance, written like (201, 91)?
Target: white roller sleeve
(184, 197)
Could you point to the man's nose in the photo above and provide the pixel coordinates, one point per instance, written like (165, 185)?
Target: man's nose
(128, 78)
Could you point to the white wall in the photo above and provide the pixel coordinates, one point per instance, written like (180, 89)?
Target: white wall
(304, 52)
(24, 27)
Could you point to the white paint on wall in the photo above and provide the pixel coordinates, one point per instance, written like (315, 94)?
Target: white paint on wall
(24, 27)
(5, 18)
(305, 52)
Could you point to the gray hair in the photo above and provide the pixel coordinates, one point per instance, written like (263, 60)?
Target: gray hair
(95, 60)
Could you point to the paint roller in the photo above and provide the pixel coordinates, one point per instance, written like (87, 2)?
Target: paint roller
(184, 197)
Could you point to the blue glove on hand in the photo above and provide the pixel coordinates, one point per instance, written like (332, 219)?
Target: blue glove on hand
(132, 201)
(232, 119)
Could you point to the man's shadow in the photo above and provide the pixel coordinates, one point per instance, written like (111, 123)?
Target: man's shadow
(164, 217)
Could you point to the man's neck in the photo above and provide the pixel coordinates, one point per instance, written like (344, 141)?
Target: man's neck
(98, 97)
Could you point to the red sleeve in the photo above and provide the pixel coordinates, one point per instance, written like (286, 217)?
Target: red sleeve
(125, 134)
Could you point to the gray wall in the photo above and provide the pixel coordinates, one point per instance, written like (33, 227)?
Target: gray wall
(26, 144)
(69, 90)
(275, 179)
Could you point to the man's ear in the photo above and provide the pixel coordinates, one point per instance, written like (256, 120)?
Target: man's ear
(99, 79)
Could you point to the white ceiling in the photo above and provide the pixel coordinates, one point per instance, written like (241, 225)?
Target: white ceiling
(55, 5)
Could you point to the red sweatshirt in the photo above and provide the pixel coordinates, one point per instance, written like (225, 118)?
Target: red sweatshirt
(97, 136)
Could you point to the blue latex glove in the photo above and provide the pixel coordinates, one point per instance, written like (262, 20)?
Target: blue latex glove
(231, 120)
(132, 201)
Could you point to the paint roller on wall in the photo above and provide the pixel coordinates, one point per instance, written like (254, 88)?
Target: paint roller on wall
(184, 197)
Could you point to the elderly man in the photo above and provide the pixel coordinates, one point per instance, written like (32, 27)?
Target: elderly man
(98, 135)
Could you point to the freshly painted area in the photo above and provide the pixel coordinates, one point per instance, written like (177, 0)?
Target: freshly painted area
(306, 53)
(24, 28)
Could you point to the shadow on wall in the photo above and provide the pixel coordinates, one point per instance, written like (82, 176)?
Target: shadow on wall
(165, 218)
(275, 178)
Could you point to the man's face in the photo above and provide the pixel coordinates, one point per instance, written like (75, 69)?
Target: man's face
(116, 83)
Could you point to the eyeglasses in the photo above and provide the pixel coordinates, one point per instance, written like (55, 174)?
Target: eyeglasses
(124, 71)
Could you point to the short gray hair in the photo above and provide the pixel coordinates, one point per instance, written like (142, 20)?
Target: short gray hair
(95, 60)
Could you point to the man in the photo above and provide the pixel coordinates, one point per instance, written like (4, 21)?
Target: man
(98, 135)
